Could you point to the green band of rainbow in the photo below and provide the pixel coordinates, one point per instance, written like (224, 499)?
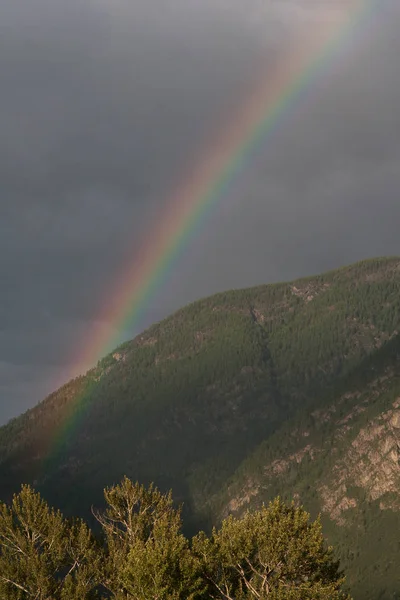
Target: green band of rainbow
(266, 108)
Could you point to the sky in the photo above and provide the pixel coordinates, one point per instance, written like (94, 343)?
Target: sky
(106, 105)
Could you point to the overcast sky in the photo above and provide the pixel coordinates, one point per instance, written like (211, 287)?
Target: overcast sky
(104, 105)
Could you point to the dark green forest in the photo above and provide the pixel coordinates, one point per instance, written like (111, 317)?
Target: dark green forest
(287, 390)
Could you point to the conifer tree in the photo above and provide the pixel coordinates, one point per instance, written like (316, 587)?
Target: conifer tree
(275, 553)
(42, 555)
(146, 555)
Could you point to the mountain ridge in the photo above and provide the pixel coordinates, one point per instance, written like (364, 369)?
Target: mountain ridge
(215, 394)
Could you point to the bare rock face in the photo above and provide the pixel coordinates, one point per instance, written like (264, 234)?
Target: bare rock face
(372, 463)
(310, 290)
(238, 503)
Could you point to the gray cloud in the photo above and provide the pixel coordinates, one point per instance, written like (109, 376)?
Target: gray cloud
(104, 106)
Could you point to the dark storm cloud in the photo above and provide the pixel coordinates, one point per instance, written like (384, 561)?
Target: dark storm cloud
(103, 108)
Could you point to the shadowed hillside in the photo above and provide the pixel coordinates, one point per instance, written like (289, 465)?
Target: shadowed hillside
(290, 388)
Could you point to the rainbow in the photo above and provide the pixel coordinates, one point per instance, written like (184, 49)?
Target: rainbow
(268, 105)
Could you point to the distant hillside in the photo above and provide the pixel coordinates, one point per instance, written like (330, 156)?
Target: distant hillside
(341, 458)
(290, 388)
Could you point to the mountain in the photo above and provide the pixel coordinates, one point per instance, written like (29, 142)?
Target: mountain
(290, 389)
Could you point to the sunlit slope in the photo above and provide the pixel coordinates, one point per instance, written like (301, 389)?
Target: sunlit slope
(340, 458)
(218, 382)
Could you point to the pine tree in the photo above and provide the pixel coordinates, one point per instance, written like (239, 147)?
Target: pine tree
(42, 555)
(275, 553)
(146, 555)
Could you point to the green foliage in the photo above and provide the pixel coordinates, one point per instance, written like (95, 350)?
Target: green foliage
(42, 556)
(274, 553)
(146, 554)
(204, 400)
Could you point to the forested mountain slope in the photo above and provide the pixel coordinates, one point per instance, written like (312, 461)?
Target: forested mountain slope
(289, 388)
(340, 458)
